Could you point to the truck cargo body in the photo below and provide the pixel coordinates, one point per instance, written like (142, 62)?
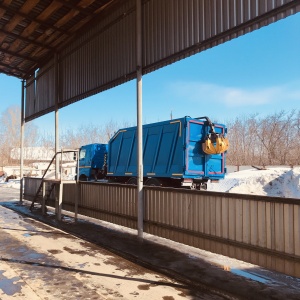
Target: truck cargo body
(172, 152)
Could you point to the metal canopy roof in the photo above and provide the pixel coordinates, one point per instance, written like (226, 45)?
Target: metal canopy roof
(70, 50)
(32, 30)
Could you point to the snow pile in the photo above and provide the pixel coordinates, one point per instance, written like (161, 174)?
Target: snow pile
(12, 183)
(274, 182)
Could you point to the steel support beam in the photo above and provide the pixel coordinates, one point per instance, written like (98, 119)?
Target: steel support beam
(22, 142)
(56, 116)
(139, 70)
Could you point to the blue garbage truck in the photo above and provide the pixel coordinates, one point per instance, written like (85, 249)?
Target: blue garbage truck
(184, 152)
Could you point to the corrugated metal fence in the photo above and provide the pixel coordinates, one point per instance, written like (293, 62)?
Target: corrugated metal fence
(251, 228)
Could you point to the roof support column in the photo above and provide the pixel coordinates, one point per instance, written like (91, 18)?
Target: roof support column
(56, 94)
(140, 192)
(22, 141)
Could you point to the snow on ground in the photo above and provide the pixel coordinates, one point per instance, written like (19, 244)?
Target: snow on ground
(12, 183)
(274, 182)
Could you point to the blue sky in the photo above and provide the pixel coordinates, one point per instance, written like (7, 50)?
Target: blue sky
(256, 73)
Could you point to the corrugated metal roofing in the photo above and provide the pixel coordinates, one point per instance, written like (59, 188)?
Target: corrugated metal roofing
(31, 31)
(95, 40)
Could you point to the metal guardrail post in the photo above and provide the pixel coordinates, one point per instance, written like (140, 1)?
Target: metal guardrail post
(44, 198)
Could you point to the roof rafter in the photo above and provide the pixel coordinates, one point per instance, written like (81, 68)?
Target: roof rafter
(11, 68)
(18, 55)
(25, 16)
(75, 7)
(16, 36)
(21, 76)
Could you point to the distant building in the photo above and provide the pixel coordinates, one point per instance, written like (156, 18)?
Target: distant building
(38, 154)
(33, 153)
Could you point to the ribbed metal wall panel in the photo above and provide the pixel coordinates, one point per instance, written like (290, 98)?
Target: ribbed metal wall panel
(176, 29)
(104, 56)
(31, 185)
(30, 97)
(40, 91)
(251, 228)
(101, 58)
(111, 203)
(259, 222)
(45, 87)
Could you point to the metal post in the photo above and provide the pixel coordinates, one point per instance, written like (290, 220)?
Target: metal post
(77, 197)
(22, 142)
(61, 167)
(56, 94)
(58, 200)
(78, 188)
(44, 198)
(140, 192)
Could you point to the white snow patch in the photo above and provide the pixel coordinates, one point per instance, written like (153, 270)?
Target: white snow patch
(274, 182)
(12, 183)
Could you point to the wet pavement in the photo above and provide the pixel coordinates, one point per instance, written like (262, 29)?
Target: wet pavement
(42, 258)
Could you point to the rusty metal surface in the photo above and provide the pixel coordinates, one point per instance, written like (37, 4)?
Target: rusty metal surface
(257, 227)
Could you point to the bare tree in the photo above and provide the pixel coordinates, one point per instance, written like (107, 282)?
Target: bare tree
(88, 134)
(10, 133)
(269, 140)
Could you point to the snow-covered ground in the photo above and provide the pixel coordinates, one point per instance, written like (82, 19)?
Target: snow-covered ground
(12, 183)
(275, 182)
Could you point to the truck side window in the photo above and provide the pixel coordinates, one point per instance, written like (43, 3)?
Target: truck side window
(82, 154)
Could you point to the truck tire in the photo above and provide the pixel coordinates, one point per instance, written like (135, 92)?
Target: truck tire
(83, 178)
(132, 180)
(153, 182)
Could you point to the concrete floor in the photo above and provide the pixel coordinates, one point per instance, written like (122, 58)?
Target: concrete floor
(45, 259)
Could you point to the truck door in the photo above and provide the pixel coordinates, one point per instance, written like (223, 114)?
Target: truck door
(85, 162)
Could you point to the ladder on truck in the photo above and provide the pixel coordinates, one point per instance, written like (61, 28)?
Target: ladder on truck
(39, 193)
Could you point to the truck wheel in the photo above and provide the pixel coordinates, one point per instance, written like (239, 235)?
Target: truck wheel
(203, 186)
(153, 182)
(82, 178)
(132, 181)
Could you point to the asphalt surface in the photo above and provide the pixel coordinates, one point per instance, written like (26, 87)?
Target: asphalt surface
(95, 260)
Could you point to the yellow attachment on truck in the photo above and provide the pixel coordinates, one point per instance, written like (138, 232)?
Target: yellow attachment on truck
(215, 144)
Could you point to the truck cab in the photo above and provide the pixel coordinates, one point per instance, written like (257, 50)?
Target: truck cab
(92, 162)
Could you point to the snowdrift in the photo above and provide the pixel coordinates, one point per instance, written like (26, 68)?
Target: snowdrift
(274, 182)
